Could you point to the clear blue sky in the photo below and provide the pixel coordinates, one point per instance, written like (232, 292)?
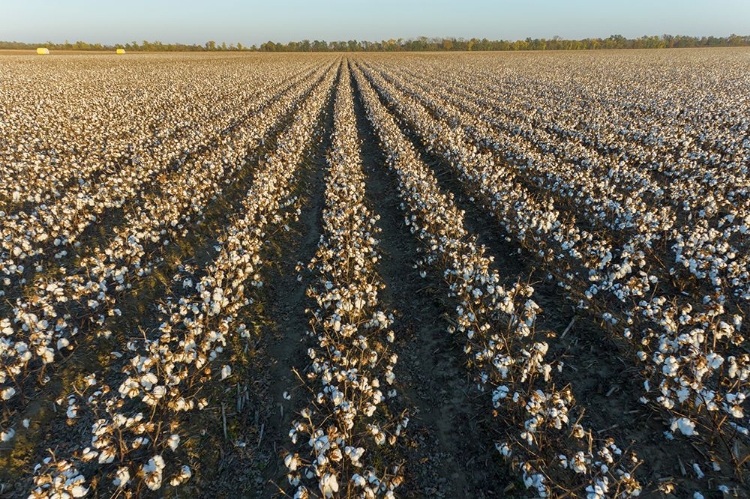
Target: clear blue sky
(256, 21)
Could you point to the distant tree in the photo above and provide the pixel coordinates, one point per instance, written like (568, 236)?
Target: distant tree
(735, 40)
(418, 44)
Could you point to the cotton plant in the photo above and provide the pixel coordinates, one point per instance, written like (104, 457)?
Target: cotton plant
(58, 478)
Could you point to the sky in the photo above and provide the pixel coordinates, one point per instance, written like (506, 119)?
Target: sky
(256, 21)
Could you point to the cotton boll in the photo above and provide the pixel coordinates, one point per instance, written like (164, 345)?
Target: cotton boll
(686, 426)
(173, 441)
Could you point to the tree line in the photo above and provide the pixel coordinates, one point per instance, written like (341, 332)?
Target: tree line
(420, 44)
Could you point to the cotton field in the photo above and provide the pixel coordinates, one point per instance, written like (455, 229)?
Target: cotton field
(321, 276)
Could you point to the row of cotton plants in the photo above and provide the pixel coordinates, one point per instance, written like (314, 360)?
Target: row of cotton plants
(707, 254)
(709, 243)
(671, 127)
(640, 242)
(684, 350)
(574, 178)
(64, 130)
(136, 431)
(44, 326)
(543, 440)
(35, 240)
(336, 438)
(703, 253)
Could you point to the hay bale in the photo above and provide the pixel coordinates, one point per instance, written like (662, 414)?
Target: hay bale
(42, 51)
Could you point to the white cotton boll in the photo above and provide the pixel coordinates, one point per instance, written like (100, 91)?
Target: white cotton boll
(714, 360)
(329, 485)
(7, 393)
(698, 495)
(733, 368)
(107, 455)
(670, 367)
(226, 371)
(8, 435)
(148, 380)
(686, 426)
(47, 355)
(159, 391)
(504, 449)
(723, 330)
(184, 476)
(337, 397)
(294, 479)
(88, 454)
(578, 463)
(359, 480)
(498, 394)
(79, 490)
(682, 394)
(737, 411)
(174, 441)
(737, 321)
(698, 472)
(291, 461)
